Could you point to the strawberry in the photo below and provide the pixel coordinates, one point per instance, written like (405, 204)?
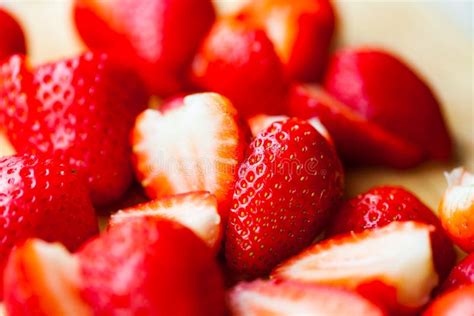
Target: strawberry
(383, 89)
(157, 38)
(381, 206)
(392, 265)
(194, 147)
(292, 298)
(79, 111)
(11, 35)
(301, 31)
(239, 61)
(283, 197)
(456, 303)
(456, 209)
(461, 275)
(43, 279)
(359, 141)
(195, 210)
(163, 270)
(45, 199)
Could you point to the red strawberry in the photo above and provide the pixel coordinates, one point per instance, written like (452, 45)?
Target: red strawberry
(292, 298)
(381, 206)
(359, 141)
(384, 90)
(455, 303)
(392, 265)
(157, 38)
(147, 266)
(11, 35)
(461, 275)
(240, 62)
(41, 198)
(195, 210)
(194, 147)
(43, 279)
(79, 111)
(301, 31)
(287, 186)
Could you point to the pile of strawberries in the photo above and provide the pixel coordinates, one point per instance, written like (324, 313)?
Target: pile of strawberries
(238, 204)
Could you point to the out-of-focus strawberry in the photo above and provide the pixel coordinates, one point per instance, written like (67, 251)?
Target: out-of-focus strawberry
(12, 39)
(456, 303)
(292, 298)
(301, 31)
(44, 199)
(287, 187)
(384, 90)
(43, 279)
(239, 61)
(381, 206)
(195, 210)
(456, 209)
(359, 141)
(194, 147)
(147, 266)
(79, 111)
(461, 275)
(157, 38)
(392, 266)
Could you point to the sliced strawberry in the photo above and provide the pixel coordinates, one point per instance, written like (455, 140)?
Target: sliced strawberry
(43, 279)
(383, 89)
(455, 303)
(461, 275)
(397, 255)
(11, 35)
(292, 298)
(195, 210)
(359, 141)
(194, 147)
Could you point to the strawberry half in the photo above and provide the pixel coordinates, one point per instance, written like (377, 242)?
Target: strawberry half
(456, 303)
(393, 262)
(461, 275)
(287, 186)
(194, 147)
(157, 38)
(381, 206)
(292, 298)
(43, 279)
(79, 111)
(12, 37)
(195, 210)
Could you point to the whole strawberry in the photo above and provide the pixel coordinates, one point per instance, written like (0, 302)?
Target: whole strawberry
(44, 199)
(461, 275)
(287, 186)
(12, 39)
(79, 111)
(380, 206)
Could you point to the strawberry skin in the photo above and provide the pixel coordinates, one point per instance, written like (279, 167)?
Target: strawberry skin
(13, 39)
(76, 111)
(283, 197)
(456, 303)
(163, 270)
(44, 199)
(461, 275)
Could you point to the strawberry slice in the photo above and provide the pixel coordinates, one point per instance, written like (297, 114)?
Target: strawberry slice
(397, 256)
(455, 303)
(11, 33)
(195, 210)
(194, 147)
(292, 298)
(43, 279)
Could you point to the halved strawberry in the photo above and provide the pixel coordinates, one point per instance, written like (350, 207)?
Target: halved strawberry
(194, 147)
(292, 298)
(376, 262)
(456, 303)
(195, 210)
(43, 279)
(11, 35)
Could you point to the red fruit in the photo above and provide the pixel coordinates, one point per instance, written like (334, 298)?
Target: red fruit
(392, 265)
(239, 61)
(79, 111)
(194, 147)
(381, 206)
(301, 31)
(43, 279)
(455, 303)
(286, 189)
(195, 210)
(292, 298)
(359, 141)
(384, 90)
(11, 35)
(44, 199)
(461, 275)
(164, 269)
